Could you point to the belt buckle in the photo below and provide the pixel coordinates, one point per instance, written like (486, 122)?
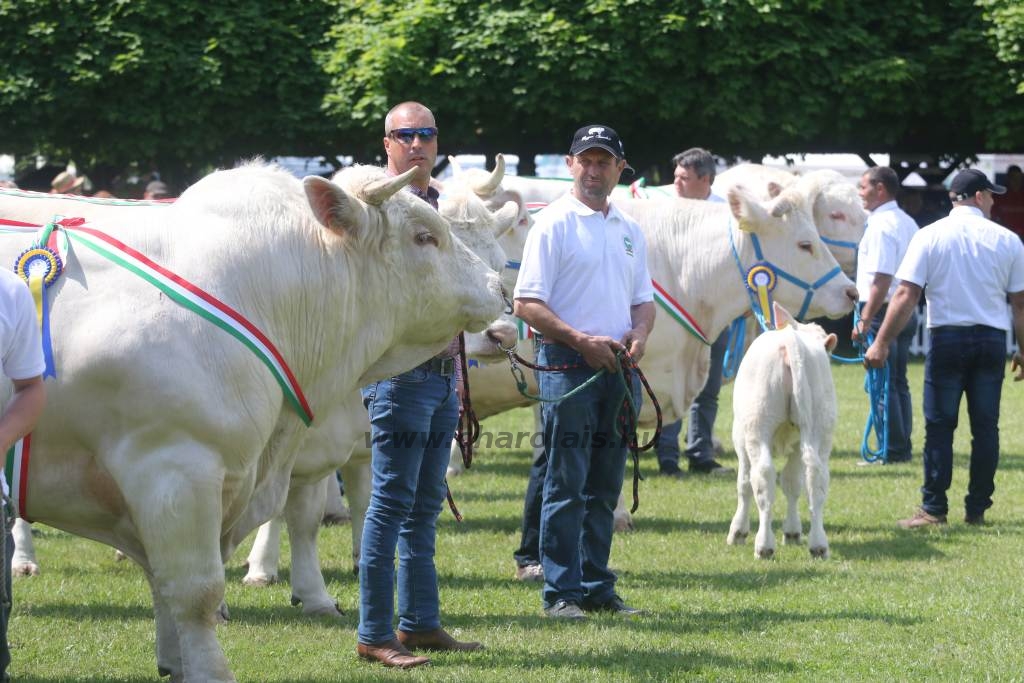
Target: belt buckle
(447, 366)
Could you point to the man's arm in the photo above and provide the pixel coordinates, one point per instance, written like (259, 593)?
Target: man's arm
(598, 352)
(1017, 308)
(876, 298)
(642, 319)
(22, 411)
(896, 318)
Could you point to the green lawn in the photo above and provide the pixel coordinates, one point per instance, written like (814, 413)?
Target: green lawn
(932, 605)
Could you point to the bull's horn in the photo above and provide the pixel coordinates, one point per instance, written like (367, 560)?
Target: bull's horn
(379, 191)
(490, 186)
(456, 166)
(505, 218)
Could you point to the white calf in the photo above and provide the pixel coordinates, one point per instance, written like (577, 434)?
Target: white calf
(784, 401)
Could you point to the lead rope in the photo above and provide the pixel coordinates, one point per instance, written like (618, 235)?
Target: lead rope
(464, 436)
(876, 386)
(6, 522)
(628, 412)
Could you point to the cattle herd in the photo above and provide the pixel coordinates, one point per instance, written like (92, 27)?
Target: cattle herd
(198, 338)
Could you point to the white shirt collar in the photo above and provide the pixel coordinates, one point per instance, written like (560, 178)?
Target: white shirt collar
(967, 210)
(890, 205)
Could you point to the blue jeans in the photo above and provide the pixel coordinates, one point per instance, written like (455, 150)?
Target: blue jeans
(962, 360)
(5, 612)
(586, 463)
(901, 412)
(529, 542)
(413, 418)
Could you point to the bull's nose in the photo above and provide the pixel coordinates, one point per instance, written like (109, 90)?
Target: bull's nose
(851, 294)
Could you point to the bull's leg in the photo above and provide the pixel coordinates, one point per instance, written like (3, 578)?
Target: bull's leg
(358, 481)
(335, 510)
(303, 513)
(739, 529)
(762, 481)
(168, 648)
(816, 461)
(23, 561)
(623, 520)
(792, 482)
(265, 556)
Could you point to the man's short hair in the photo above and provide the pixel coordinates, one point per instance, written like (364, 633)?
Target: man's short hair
(697, 160)
(886, 177)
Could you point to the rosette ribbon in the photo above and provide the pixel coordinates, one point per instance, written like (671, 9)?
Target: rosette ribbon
(39, 266)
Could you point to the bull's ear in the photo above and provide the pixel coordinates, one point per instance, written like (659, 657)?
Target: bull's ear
(745, 207)
(830, 342)
(334, 208)
(774, 189)
(782, 316)
(506, 218)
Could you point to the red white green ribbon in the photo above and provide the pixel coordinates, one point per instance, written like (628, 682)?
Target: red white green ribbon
(678, 313)
(16, 473)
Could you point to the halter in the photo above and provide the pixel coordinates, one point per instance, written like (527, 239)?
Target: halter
(762, 277)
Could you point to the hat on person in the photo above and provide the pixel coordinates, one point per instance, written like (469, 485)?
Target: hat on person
(967, 183)
(157, 189)
(600, 136)
(65, 181)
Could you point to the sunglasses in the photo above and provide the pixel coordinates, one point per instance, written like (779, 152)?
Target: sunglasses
(407, 135)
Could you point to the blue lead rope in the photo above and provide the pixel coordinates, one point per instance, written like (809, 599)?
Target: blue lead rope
(876, 386)
(734, 348)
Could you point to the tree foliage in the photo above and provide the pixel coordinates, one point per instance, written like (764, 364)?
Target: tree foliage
(193, 84)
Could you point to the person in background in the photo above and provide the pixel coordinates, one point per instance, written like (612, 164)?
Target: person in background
(693, 177)
(67, 182)
(971, 267)
(156, 189)
(1008, 208)
(885, 241)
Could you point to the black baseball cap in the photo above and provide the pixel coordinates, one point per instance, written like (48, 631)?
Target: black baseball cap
(967, 183)
(600, 136)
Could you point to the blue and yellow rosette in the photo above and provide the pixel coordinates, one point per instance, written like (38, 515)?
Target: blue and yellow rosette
(40, 266)
(761, 281)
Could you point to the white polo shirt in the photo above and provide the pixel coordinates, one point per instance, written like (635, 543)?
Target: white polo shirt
(969, 264)
(590, 269)
(21, 346)
(885, 241)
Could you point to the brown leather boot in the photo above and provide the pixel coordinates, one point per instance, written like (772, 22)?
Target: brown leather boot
(437, 639)
(390, 653)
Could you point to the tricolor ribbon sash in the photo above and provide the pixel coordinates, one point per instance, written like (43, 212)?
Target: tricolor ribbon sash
(16, 474)
(678, 313)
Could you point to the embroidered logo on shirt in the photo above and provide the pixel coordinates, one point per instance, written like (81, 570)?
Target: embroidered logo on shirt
(628, 244)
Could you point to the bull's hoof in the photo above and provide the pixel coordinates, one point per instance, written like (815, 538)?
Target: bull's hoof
(25, 569)
(624, 524)
(119, 556)
(765, 553)
(326, 610)
(259, 580)
(820, 553)
(355, 570)
(737, 538)
(163, 671)
(222, 615)
(792, 539)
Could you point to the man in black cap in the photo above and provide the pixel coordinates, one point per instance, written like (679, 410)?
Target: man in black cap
(971, 267)
(584, 286)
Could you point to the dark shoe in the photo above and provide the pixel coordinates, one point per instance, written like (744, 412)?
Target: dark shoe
(437, 639)
(893, 460)
(922, 518)
(615, 605)
(563, 609)
(390, 653)
(712, 467)
(672, 472)
(975, 520)
(530, 572)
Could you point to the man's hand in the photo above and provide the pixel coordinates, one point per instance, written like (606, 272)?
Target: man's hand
(1017, 366)
(859, 332)
(599, 352)
(635, 341)
(876, 355)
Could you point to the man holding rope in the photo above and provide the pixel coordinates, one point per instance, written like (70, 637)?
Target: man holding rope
(584, 286)
(971, 267)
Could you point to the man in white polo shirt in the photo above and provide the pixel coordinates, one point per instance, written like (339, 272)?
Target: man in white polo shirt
(584, 286)
(971, 267)
(886, 238)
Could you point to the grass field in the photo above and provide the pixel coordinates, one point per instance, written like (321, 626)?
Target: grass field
(931, 605)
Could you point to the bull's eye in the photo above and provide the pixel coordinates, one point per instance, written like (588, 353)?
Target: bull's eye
(807, 246)
(424, 238)
(837, 216)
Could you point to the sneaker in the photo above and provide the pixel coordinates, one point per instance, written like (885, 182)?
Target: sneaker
(563, 609)
(975, 520)
(615, 604)
(922, 518)
(712, 467)
(530, 572)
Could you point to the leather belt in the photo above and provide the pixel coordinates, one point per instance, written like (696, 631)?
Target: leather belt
(444, 366)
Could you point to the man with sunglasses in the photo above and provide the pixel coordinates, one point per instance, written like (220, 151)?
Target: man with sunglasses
(412, 422)
(584, 286)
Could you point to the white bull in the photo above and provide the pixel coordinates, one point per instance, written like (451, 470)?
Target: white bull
(146, 386)
(784, 404)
